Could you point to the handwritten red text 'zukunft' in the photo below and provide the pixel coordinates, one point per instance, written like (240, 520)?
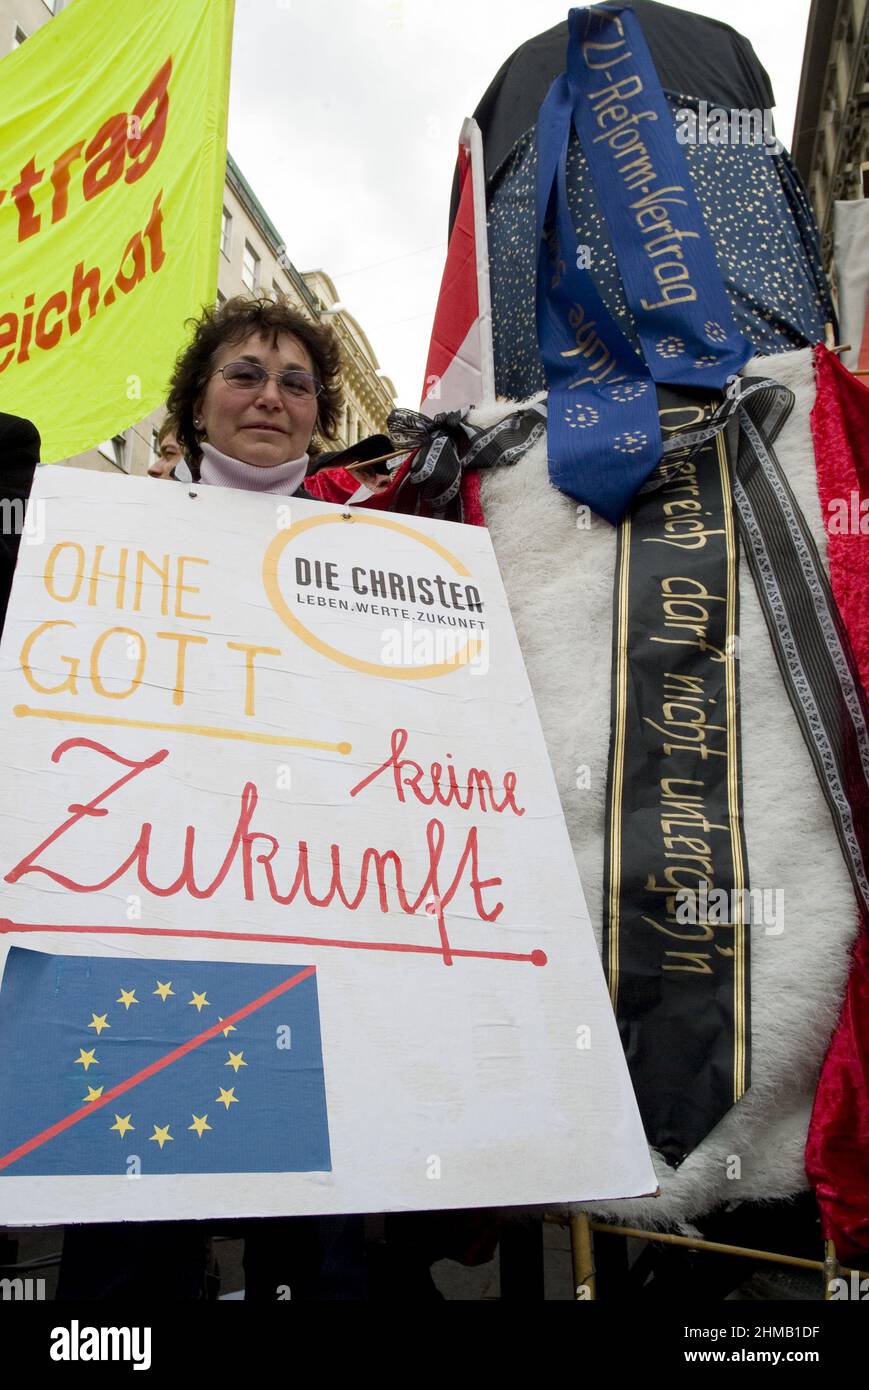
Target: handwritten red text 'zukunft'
(377, 878)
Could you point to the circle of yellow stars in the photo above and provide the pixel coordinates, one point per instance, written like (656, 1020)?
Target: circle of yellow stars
(671, 346)
(123, 1124)
(630, 442)
(627, 390)
(714, 331)
(581, 417)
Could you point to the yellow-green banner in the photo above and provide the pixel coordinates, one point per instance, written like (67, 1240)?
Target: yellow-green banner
(112, 164)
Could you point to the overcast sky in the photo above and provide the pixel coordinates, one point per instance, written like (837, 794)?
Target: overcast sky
(345, 114)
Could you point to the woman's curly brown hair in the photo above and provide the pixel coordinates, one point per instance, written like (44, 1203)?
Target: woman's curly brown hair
(232, 322)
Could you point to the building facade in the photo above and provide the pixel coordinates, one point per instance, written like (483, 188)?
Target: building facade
(831, 130)
(252, 258)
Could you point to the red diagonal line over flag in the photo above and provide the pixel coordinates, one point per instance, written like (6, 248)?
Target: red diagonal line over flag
(151, 1070)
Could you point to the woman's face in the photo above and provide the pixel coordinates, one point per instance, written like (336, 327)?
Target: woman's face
(264, 426)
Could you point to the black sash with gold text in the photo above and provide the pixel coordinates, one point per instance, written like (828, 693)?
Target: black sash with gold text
(678, 973)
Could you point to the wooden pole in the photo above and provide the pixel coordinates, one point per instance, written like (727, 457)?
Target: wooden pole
(582, 1251)
(831, 1268)
(713, 1247)
(381, 458)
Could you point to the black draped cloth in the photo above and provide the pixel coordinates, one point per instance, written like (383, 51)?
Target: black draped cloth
(753, 200)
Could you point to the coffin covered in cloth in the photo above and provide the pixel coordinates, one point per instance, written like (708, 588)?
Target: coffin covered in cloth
(560, 579)
(726, 1049)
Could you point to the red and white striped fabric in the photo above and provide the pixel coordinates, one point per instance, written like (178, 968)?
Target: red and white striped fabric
(460, 369)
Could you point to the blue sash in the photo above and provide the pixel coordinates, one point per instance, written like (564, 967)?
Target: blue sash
(604, 434)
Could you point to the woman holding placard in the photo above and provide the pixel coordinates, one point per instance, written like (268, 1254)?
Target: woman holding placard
(248, 394)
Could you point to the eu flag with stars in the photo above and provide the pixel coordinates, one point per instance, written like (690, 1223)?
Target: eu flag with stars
(189, 1066)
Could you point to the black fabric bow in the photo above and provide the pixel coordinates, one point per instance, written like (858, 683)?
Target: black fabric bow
(446, 444)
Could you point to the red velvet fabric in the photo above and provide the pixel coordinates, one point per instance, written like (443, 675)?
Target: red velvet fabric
(837, 1151)
(336, 485)
(472, 507)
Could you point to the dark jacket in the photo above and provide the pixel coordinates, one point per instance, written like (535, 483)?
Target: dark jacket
(19, 455)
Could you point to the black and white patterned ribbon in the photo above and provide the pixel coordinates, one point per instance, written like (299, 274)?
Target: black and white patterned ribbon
(446, 445)
(808, 636)
(809, 639)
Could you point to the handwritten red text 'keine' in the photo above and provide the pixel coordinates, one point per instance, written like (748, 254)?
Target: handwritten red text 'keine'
(379, 876)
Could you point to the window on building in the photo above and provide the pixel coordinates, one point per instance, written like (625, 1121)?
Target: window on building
(221, 299)
(348, 424)
(115, 451)
(226, 233)
(19, 37)
(277, 290)
(250, 268)
(52, 5)
(360, 430)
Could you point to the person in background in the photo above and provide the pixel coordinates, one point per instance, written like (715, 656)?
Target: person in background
(168, 451)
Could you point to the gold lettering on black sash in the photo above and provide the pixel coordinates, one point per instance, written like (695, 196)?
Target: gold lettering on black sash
(674, 819)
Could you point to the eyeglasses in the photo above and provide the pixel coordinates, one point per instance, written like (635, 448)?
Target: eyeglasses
(249, 376)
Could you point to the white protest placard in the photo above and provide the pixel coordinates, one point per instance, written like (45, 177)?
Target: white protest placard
(291, 919)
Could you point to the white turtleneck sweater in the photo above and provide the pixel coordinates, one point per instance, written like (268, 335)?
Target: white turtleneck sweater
(219, 470)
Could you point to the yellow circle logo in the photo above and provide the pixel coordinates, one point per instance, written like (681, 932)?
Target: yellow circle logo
(354, 663)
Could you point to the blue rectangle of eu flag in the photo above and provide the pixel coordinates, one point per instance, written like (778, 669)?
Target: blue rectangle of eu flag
(184, 1066)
